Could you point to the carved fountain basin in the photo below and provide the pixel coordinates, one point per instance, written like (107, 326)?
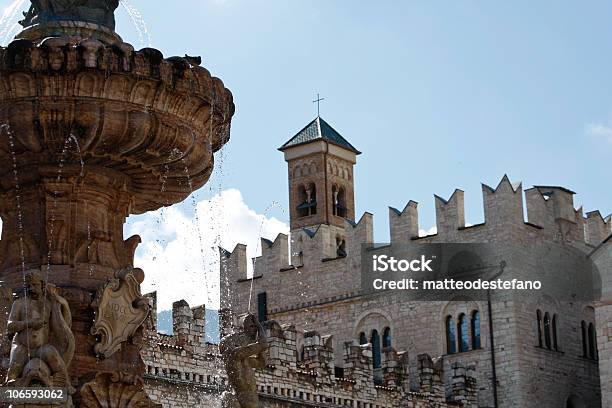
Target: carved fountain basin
(154, 121)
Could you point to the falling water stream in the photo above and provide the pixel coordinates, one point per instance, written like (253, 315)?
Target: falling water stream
(6, 128)
(62, 161)
(9, 26)
(139, 23)
(8, 29)
(274, 204)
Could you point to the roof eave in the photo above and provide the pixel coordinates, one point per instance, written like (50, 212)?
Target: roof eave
(320, 139)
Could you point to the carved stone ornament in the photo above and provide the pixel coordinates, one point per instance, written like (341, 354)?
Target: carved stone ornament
(243, 352)
(43, 344)
(120, 311)
(116, 389)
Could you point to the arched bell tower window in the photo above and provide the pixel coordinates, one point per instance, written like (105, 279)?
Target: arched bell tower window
(363, 339)
(307, 197)
(340, 203)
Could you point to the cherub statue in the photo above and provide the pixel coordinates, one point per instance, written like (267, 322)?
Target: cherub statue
(242, 352)
(42, 341)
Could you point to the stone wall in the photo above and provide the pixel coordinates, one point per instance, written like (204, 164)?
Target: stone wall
(182, 370)
(316, 290)
(300, 372)
(603, 258)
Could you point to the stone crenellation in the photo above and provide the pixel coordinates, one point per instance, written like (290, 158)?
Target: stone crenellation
(306, 375)
(312, 279)
(550, 212)
(183, 370)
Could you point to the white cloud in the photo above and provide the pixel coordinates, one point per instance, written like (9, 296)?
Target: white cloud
(432, 231)
(600, 130)
(181, 261)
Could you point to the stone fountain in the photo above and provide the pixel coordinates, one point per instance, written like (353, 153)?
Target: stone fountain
(91, 131)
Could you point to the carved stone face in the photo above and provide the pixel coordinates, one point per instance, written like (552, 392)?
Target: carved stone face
(34, 286)
(250, 325)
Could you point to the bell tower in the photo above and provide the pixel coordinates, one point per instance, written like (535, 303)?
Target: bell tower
(321, 185)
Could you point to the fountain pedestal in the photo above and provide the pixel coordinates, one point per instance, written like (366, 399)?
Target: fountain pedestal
(92, 131)
(68, 224)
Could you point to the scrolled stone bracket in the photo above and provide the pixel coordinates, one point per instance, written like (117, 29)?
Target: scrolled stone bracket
(120, 311)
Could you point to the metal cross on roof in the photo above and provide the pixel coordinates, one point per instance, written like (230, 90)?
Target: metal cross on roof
(318, 102)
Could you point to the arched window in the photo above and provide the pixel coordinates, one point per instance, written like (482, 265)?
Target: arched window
(574, 402)
(592, 342)
(464, 335)
(307, 199)
(335, 200)
(302, 207)
(341, 203)
(340, 247)
(547, 338)
(262, 307)
(313, 199)
(363, 339)
(451, 339)
(539, 314)
(386, 340)
(554, 333)
(585, 340)
(476, 344)
(376, 358)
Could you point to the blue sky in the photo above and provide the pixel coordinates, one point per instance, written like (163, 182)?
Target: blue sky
(437, 95)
